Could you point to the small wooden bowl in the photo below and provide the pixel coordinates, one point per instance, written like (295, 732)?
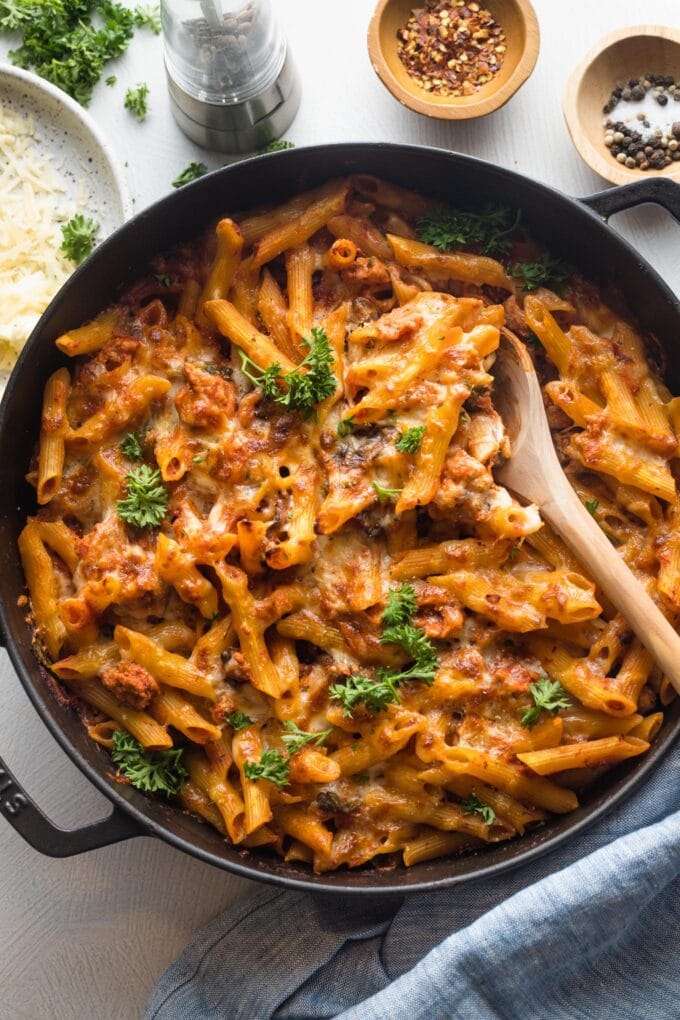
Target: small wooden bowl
(621, 55)
(519, 22)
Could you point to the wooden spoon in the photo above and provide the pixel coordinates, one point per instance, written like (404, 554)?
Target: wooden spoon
(534, 473)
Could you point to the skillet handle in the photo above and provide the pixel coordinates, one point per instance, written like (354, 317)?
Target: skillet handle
(25, 816)
(658, 190)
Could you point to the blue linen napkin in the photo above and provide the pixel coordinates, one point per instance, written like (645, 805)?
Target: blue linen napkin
(590, 931)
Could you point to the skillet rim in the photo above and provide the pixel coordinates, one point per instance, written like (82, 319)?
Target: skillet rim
(260, 868)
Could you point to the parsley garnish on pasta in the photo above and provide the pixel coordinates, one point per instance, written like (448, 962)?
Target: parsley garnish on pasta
(473, 805)
(549, 696)
(409, 441)
(295, 738)
(448, 229)
(545, 271)
(146, 502)
(305, 386)
(151, 771)
(131, 447)
(401, 606)
(358, 690)
(239, 720)
(272, 766)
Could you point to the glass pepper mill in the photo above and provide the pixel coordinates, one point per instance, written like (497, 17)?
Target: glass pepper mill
(232, 84)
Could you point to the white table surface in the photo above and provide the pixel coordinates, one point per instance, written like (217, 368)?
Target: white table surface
(87, 937)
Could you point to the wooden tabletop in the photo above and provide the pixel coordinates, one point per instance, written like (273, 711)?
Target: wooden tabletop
(87, 937)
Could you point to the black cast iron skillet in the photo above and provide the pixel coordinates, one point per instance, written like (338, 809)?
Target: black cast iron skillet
(574, 230)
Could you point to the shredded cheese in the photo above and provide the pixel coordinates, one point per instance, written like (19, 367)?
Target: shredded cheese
(34, 203)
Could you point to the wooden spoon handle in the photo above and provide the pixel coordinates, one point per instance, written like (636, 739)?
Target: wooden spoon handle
(577, 528)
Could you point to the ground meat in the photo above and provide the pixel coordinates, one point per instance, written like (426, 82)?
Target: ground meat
(236, 668)
(130, 684)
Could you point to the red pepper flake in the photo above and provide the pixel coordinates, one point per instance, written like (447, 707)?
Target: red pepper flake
(451, 47)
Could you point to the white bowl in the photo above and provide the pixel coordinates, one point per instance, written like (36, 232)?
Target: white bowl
(71, 137)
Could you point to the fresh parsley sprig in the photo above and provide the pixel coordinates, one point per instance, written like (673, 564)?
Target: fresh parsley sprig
(409, 441)
(136, 100)
(267, 380)
(131, 447)
(146, 502)
(418, 647)
(545, 271)
(295, 738)
(489, 230)
(148, 17)
(303, 387)
(373, 694)
(272, 766)
(78, 237)
(189, 174)
(239, 720)
(151, 771)
(384, 494)
(401, 606)
(473, 805)
(549, 696)
(278, 145)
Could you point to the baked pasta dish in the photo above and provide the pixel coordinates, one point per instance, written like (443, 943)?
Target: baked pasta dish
(270, 565)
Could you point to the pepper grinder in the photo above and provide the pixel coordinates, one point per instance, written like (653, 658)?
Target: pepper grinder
(232, 84)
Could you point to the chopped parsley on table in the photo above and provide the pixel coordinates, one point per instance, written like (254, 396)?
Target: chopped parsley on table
(151, 771)
(277, 146)
(146, 502)
(189, 174)
(136, 100)
(68, 42)
(78, 237)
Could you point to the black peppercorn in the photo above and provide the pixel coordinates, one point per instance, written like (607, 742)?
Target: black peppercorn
(662, 99)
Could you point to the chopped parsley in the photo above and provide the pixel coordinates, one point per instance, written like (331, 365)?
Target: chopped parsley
(60, 42)
(545, 271)
(239, 720)
(151, 771)
(409, 441)
(296, 738)
(111, 80)
(136, 100)
(163, 279)
(78, 237)
(148, 17)
(549, 696)
(591, 506)
(306, 385)
(357, 690)
(473, 805)
(131, 447)
(277, 146)
(345, 427)
(418, 647)
(401, 606)
(146, 502)
(272, 766)
(267, 380)
(384, 494)
(189, 174)
(489, 230)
